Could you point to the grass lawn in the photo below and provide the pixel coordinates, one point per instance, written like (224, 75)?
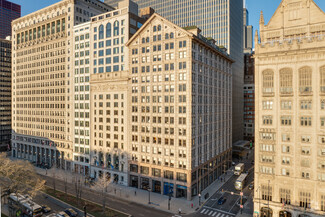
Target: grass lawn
(92, 208)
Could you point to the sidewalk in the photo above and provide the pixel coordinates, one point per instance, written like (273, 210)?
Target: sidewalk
(159, 201)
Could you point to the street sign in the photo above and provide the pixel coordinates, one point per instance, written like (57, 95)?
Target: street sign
(241, 193)
(241, 206)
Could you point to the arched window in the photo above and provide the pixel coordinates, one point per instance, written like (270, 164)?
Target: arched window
(108, 30)
(285, 213)
(266, 212)
(166, 36)
(268, 81)
(101, 32)
(159, 27)
(116, 28)
(322, 79)
(286, 81)
(154, 28)
(305, 80)
(171, 35)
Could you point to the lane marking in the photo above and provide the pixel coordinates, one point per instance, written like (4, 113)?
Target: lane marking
(218, 214)
(220, 210)
(222, 215)
(206, 212)
(214, 214)
(203, 210)
(210, 213)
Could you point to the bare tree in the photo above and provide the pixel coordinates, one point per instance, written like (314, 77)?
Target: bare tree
(59, 174)
(101, 186)
(19, 176)
(78, 184)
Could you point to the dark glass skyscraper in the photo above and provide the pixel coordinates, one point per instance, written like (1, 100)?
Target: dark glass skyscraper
(8, 12)
(5, 94)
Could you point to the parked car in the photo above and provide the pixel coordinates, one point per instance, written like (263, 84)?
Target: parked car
(222, 200)
(243, 202)
(46, 209)
(62, 214)
(251, 186)
(71, 212)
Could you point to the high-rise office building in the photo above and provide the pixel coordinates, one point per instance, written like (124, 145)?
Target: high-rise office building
(5, 94)
(290, 112)
(42, 82)
(8, 12)
(180, 109)
(221, 20)
(102, 41)
(249, 97)
(248, 33)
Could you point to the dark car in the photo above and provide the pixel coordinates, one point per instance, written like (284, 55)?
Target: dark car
(46, 209)
(222, 200)
(251, 186)
(71, 212)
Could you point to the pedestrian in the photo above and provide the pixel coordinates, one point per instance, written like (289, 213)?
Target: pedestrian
(192, 205)
(135, 193)
(179, 211)
(221, 179)
(115, 190)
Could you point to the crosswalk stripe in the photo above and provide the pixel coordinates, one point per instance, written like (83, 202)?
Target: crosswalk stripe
(218, 214)
(203, 210)
(210, 212)
(206, 212)
(222, 215)
(214, 214)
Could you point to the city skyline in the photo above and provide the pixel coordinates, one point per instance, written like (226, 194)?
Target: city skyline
(254, 8)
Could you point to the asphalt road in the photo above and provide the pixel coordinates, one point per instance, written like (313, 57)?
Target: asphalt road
(134, 209)
(230, 208)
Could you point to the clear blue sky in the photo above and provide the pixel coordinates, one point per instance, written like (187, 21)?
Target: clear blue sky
(254, 7)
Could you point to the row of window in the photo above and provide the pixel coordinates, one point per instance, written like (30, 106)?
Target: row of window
(41, 31)
(286, 80)
(287, 104)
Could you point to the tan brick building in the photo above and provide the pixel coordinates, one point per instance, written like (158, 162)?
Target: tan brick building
(180, 128)
(42, 87)
(290, 112)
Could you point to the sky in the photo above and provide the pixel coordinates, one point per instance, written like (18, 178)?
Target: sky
(254, 7)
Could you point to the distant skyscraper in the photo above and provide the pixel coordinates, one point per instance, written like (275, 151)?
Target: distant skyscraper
(8, 12)
(221, 20)
(248, 33)
(5, 93)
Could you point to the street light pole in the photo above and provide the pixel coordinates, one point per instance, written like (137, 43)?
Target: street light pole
(149, 195)
(268, 198)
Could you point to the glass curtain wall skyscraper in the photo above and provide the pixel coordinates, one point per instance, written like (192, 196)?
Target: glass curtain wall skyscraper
(221, 20)
(8, 12)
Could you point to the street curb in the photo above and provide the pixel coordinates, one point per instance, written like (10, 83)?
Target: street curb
(65, 203)
(215, 192)
(88, 202)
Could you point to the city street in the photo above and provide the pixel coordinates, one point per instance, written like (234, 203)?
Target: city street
(231, 206)
(134, 209)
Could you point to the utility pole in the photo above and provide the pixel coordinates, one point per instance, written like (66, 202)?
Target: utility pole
(268, 198)
(0, 201)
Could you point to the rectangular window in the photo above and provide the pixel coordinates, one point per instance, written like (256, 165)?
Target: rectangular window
(305, 121)
(286, 120)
